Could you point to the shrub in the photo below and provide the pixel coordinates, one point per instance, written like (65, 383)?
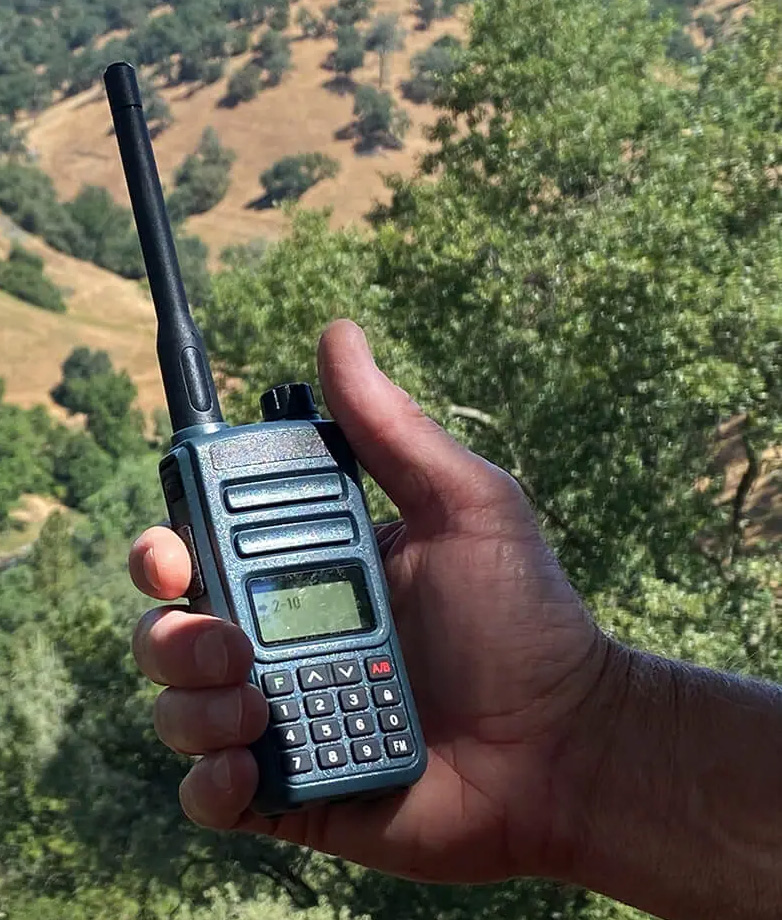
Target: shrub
(274, 55)
(349, 12)
(427, 11)
(243, 85)
(380, 123)
(108, 231)
(349, 53)
(203, 178)
(311, 26)
(291, 176)
(22, 275)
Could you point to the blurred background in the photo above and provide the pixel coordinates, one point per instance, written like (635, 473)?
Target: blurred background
(560, 223)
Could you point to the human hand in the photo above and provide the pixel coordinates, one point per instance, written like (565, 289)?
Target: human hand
(504, 662)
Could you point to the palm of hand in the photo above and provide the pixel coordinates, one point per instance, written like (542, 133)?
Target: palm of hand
(500, 656)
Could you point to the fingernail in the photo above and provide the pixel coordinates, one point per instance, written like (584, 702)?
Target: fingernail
(221, 772)
(149, 567)
(211, 655)
(224, 713)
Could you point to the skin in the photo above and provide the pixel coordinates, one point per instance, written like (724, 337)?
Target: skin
(553, 751)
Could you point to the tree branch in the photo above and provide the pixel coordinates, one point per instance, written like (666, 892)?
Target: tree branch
(740, 498)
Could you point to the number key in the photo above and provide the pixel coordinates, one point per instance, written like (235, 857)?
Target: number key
(292, 737)
(359, 725)
(365, 751)
(297, 763)
(332, 755)
(392, 720)
(325, 730)
(284, 712)
(319, 704)
(353, 700)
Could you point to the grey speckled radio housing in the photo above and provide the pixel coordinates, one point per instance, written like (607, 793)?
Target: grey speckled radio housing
(280, 497)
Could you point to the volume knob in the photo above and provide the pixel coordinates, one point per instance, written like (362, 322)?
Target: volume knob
(289, 401)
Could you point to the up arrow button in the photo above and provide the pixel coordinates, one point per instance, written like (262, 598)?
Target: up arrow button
(347, 672)
(316, 677)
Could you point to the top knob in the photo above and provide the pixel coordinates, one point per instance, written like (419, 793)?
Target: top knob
(289, 401)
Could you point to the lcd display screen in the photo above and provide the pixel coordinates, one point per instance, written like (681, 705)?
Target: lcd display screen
(308, 605)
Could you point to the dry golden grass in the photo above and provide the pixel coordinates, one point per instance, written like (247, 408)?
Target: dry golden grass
(73, 143)
(104, 311)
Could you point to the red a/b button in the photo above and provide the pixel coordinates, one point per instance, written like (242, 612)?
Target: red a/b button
(380, 668)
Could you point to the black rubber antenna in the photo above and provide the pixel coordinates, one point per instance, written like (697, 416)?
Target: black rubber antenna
(187, 380)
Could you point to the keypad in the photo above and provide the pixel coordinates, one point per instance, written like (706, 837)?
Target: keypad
(350, 711)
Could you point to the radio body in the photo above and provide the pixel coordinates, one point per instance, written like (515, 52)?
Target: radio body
(280, 539)
(281, 543)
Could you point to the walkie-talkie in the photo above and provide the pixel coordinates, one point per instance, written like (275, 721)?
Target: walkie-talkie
(274, 517)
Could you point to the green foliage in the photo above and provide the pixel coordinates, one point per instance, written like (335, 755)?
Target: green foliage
(379, 121)
(24, 462)
(349, 12)
(203, 179)
(274, 55)
(291, 176)
(22, 275)
(80, 466)
(91, 386)
(193, 256)
(12, 142)
(279, 15)
(349, 53)
(107, 230)
(28, 197)
(431, 68)
(243, 85)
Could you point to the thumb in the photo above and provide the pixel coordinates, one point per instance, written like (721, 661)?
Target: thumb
(416, 463)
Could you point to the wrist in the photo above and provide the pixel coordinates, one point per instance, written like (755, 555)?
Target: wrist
(602, 735)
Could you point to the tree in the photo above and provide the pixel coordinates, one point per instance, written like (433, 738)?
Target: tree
(349, 12)
(91, 386)
(349, 54)
(23, 276)
(274, 55)
(379, 122)
(243, 85)
(431, 67)
(291, 176)
(426, 11)
(156, 109)
(12, 142)
(108, 232)
(384, 37)
(279, 15)
(203, 179)
(311, 26)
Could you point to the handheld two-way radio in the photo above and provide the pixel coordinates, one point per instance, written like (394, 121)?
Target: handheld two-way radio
(280, 539)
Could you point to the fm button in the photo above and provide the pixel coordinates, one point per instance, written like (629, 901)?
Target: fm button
(380, 668)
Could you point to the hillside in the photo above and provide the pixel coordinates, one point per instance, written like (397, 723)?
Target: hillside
(73, 144)
(104, 311)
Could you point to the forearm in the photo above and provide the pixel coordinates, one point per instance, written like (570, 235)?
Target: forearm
(683, 809)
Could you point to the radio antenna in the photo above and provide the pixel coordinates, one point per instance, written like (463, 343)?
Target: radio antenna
(187, 379)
